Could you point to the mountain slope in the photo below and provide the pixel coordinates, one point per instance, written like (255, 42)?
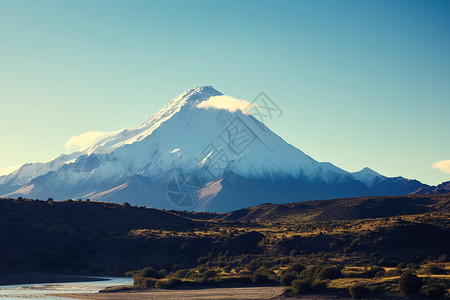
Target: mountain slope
(197, 156)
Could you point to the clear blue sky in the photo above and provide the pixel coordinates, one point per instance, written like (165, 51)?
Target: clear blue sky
(361, 83)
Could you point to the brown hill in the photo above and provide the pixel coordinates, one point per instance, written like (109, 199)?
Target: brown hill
(105, 238)
(343, 209)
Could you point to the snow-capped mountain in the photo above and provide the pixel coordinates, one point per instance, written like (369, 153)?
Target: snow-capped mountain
(203, 151)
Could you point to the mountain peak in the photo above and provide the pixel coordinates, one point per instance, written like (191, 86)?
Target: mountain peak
(366, 175)
(200, 93)
(205, 89)
(235, 161)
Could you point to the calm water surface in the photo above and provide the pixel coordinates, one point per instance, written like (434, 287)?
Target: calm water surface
(42, 291)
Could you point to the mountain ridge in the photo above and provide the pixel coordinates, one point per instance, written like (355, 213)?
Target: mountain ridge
(191, 156)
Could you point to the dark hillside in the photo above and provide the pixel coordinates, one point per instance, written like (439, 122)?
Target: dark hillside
(344, 209)
(86, 237)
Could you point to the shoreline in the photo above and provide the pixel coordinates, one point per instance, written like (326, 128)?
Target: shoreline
(43, 278)
(243, 293)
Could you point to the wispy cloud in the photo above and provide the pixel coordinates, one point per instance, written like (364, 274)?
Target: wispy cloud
(84, 140)
(227, 103)
(443, 165)
(8, 170)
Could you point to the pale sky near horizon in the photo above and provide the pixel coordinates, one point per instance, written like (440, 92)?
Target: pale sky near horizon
(360, 83)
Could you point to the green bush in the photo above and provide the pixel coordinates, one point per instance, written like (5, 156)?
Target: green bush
(329, 273)
(375, 272)
(358, 291)
(319, 285)
(268, 273)
(436, 270)
(433, 291)
(301, 286)
(150, 273)
(310, 272)
(201, 280)
(287, 278)
(401, 266)
(413, 266)
(245, 272)
(210, 273)
(171, 283)
(144, 282)
(181, 273)
(409, 283)
(213, 280)
(297, 268)
(393, 273)
(379, 274)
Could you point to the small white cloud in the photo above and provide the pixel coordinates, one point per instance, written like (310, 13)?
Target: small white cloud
(84, 140)
(8, 170)
(443, 165)
(227, 103)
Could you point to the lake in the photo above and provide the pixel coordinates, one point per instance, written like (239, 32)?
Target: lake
(42, 291)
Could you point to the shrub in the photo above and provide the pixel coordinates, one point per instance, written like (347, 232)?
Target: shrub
(380, 274)
(329, 273)
(227, 269)
(413, 266)
(358, 291)
(409, 283)
(297, 268)
(301, 286)
(150, 273)
(171, 283)
(201, 280)
(436, 270)
(375, 272)
(212, 281)
(310, 272)
(253, 266)
(210, 273)
(145, 282)
(319, 285)
(401, 266)
(181, 273)
(245, 272)
(392, 273)
(287, 279)
(433, 291)
(267, 272)
(176, 267)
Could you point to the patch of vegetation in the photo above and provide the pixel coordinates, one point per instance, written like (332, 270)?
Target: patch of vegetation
(359, 291)
(436, 291)
(409, 283)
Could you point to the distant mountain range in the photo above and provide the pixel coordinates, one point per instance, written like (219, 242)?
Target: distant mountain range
(203, 151)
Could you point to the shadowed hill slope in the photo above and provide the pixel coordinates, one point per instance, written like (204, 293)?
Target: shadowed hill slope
(343, 209)
(86, 237)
